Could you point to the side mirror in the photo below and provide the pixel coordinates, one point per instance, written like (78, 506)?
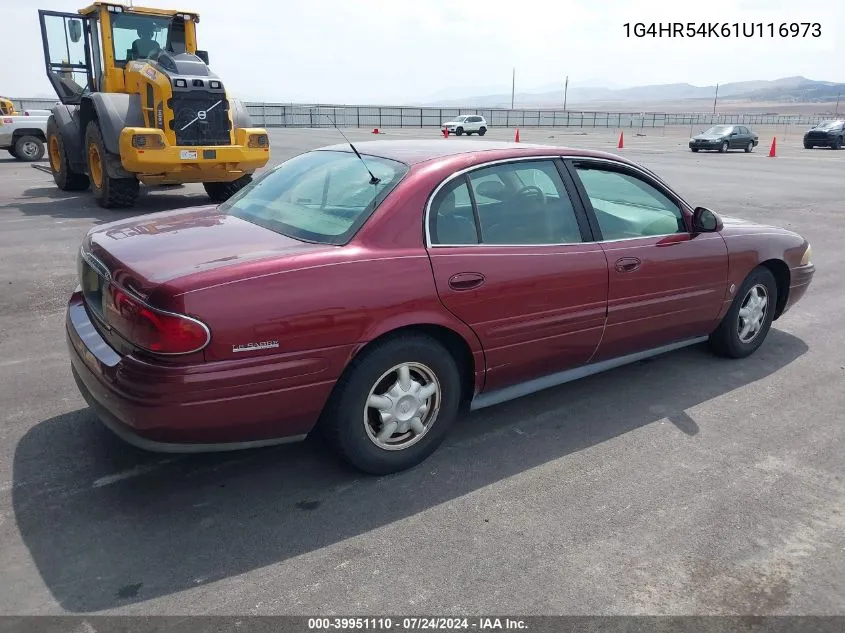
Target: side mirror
(706, 221)
(74, 30)
(203, 55)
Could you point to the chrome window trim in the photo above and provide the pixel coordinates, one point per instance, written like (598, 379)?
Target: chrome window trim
(683, 204)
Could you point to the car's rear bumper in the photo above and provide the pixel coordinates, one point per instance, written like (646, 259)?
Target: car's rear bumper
(197, 408)
(800, 279)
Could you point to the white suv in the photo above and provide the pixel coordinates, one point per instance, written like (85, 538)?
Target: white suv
(466, 123)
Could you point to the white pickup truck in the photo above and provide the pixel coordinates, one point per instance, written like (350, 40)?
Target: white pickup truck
(24, 135)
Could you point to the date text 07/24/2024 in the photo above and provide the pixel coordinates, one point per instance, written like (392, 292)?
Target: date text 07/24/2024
(723, 29)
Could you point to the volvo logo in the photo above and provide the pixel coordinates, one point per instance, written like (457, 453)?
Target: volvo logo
(202, 115)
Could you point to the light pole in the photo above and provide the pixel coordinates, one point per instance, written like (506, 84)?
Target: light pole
(565, 90)
(716, 96)
(513, 86)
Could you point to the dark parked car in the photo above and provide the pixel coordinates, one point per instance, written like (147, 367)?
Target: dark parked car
(725, 137)
(375, 298)
(826, 134)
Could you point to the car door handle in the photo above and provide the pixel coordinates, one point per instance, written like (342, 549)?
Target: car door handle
(627, 264)
(466, 281)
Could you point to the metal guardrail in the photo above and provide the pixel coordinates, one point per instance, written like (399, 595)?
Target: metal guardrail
(321, 115)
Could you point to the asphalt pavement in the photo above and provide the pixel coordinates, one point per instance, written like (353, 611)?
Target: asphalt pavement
(686, 484)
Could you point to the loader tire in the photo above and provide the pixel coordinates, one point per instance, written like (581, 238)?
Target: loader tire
(222, 191)
(63, 176)
(110, 193)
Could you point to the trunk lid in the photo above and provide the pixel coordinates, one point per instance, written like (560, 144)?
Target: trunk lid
(144, 253)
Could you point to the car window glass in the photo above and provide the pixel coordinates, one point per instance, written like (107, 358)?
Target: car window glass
(319, 196)
(524, 203)
(627, 206)
(488, 188)
(452, 220)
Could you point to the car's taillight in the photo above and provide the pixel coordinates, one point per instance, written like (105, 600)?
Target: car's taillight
(152, 329)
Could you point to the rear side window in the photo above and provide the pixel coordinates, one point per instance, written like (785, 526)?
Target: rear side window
(321, 196)
(520, 203)
(452, 217)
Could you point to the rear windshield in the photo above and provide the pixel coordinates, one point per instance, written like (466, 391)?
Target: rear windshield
(321, 196)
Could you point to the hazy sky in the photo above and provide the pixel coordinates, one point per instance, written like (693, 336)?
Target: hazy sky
(390, 51)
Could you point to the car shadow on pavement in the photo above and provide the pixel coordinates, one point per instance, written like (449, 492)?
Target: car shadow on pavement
(51, 201)
(108, 525)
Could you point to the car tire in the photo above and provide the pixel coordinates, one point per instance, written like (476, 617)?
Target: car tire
(351, 426)
(728, 339)
(29, 148)
(837, 144)
(723, 147)
(222, 191)
(749, 147)
(65, 178)
(109, 192)
(482, 131)
(694, 149)
(459, 131)
(808, 146)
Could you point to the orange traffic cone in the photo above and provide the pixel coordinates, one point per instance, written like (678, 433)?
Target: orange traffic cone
(516, 138)
(445, 132)
(621, 143)
(774, 151)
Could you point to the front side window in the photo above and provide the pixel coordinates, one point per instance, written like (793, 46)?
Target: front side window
(626, 206)
(138, 36)
(520, 203)
(321, 196)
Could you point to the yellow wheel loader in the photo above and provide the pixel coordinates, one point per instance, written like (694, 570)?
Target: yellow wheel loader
(139, 104)
(7, 108)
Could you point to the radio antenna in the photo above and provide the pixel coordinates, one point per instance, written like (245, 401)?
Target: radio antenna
(373, 179)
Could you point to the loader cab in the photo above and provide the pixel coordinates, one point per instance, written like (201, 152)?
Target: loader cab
(89, 51)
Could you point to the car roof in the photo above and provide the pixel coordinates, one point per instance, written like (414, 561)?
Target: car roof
(413, 151)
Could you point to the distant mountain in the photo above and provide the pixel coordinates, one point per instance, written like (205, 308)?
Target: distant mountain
(788, 89)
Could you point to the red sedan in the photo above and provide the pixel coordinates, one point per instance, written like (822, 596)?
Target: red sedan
(377, 295)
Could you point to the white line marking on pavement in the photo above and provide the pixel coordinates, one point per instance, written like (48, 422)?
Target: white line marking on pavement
(128, 474)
